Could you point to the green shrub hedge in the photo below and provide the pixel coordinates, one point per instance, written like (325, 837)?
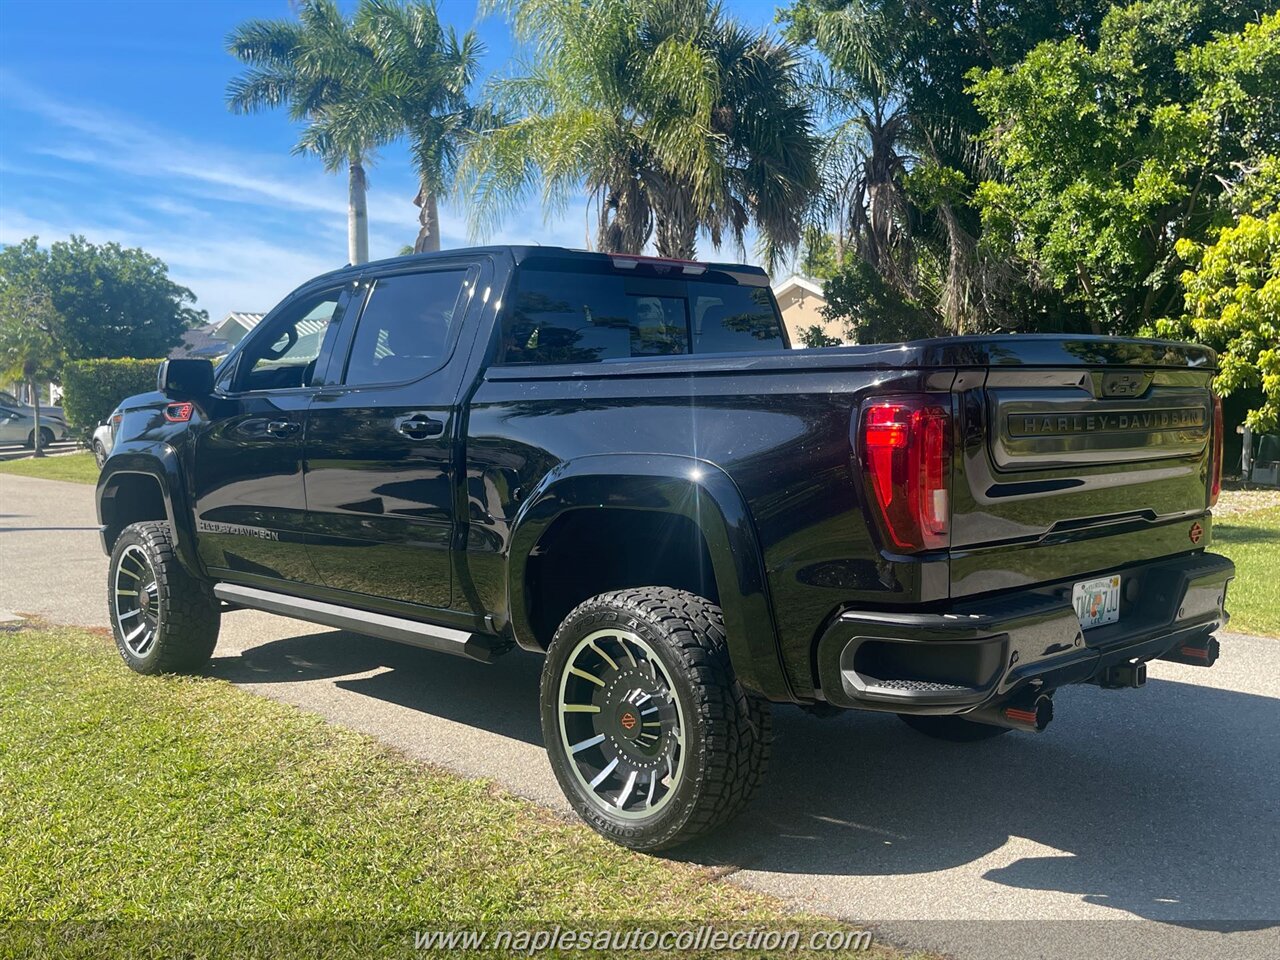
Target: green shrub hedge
(91, 389)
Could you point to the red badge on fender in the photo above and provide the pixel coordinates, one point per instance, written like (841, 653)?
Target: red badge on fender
(1195, 533)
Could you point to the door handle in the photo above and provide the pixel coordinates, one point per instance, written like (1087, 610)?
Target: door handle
(282, 428)
(418, 426)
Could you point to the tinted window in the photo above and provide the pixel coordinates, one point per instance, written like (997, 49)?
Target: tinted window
(404, 330)
(284, 355)
(557, 316)
(733, 319)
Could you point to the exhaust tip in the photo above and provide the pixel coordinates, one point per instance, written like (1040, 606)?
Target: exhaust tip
(1195, 653)
(1031, 713)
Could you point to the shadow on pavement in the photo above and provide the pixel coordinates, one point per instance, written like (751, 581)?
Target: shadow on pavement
(500, 697)
(1163, 802)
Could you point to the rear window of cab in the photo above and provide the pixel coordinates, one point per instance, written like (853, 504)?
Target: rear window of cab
(559, 315)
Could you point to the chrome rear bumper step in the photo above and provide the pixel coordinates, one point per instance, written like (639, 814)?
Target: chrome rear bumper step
(460, 643)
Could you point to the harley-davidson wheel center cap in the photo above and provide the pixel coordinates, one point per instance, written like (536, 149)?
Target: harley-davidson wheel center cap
(629, 721)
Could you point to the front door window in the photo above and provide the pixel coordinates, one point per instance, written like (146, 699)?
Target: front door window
(284, 356)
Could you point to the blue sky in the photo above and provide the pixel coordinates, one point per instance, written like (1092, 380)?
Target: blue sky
(113, 124)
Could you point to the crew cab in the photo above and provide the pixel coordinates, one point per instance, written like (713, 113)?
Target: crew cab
(616, 462)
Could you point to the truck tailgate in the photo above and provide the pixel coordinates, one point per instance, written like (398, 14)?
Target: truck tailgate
(1066, 471)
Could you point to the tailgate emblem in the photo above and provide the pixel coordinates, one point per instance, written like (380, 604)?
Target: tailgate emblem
(1195, 533)
(1125, 384)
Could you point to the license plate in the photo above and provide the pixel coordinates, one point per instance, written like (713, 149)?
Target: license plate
(1097, 601)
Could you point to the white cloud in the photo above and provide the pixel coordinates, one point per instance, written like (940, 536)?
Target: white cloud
(118, 143)
(240, 228)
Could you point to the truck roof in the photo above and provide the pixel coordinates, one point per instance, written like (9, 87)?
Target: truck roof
(522, 252)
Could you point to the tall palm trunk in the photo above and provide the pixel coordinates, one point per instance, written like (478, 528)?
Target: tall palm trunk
(676, 238)
(37, 446)
(429, 221)
(675, 218)
(625, 218)
(357, 213)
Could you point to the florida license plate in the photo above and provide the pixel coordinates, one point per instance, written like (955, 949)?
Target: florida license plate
(1097, 601)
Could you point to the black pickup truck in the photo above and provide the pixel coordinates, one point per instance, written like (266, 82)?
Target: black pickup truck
(615, 461)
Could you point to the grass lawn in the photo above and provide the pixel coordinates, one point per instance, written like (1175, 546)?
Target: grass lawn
(1252, 540)
(75, 467)
(184, 817)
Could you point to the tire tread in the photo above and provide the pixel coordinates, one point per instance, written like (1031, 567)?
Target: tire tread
(189, 613)
(738, 725)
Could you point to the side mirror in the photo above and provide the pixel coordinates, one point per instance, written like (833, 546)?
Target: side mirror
(185, 379)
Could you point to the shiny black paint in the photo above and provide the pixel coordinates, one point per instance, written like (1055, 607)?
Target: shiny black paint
(246, 473)
(148, 455)
(1026, 520)
(756, 450)
(382, 495)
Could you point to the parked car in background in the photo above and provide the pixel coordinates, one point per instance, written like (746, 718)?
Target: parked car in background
(18, 424)
(104, 438)
(51, 410)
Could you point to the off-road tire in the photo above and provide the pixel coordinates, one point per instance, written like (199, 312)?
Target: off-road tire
(952, 728)
(727, 731)
(187, 615)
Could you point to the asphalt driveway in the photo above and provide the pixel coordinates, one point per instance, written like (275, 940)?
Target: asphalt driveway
(1141, 824)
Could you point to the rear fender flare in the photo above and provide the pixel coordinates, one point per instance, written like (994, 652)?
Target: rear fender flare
(686, 486)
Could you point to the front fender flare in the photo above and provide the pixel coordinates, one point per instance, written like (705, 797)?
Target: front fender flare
(667, 483)
(160, 462)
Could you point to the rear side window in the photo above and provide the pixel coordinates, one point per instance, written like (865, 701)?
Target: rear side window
(730, 319)
(403, 332)
(558, 316)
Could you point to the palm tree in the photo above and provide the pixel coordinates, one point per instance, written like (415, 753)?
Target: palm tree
(675, 118)
(424, 71)
(905, 153)
(318, 68)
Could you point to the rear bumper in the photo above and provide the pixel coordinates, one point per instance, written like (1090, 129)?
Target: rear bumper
(987, 649)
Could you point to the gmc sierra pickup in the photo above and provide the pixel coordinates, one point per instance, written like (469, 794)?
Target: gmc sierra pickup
(615, 461)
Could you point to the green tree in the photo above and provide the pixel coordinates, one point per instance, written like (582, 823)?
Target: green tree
(902, 156)
(674, 116)
(424, 71)
(322, 72)
(114, 301)
(30, 330)
(820, 254)
(814, 336)
(872, 310)
(1112, 153)
(1232, 295)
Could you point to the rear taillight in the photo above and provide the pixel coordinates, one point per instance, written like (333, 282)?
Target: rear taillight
(1215, 487)
(905, 447)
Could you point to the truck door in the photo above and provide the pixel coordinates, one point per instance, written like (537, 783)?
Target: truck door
(381, 447)
(249, 501)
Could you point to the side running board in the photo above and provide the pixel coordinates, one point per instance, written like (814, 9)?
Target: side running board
(441, 639)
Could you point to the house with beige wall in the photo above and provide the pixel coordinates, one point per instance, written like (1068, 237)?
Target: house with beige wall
(801, 302)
